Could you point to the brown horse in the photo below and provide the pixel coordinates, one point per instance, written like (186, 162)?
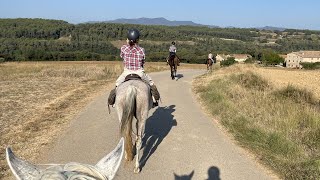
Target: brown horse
(173, 61)
(209, 64)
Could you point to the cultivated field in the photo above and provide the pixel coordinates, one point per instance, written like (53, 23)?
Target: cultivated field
(38, 99)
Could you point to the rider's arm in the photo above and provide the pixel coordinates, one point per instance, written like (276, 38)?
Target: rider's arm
(144, 57)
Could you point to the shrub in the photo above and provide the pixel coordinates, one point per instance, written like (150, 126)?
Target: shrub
(228, 62)
(251, 81)
(296, 94)
(250, 61)
(311, 66)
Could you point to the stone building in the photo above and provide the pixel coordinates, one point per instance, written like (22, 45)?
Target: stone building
(294, 59)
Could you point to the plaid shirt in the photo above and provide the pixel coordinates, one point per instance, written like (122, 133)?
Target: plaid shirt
(133, 57)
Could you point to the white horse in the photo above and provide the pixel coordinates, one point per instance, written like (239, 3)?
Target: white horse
(105, 169)
(133, 100)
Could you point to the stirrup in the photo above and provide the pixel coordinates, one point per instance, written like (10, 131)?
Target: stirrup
(155, 93)
(112, 97)
(155, 104)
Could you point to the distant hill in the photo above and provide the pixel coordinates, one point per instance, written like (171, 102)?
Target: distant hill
(153, 21)
(165, 22)
(272, 28)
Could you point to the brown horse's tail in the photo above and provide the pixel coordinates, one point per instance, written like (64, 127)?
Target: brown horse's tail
(126, 120)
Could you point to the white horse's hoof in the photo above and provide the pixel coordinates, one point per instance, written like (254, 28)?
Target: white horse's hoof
(136, 170)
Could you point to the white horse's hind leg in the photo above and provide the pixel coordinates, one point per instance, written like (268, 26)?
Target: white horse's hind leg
(140, 131)
(138, 146)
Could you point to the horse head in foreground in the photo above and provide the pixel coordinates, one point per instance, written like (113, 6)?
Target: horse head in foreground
(105, 169)
(133, 100)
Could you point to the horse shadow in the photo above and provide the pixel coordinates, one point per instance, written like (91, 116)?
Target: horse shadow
(213, 174)
(179, 76)
(157, 128)
(184, 177)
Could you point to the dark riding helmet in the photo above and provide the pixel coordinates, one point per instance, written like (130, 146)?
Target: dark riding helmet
(133, 35)
(173, 43)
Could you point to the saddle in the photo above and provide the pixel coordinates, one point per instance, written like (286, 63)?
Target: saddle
(153, 88)
(172, 55)
(132, 77)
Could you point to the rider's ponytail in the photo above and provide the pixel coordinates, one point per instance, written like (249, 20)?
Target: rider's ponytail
(131, 43)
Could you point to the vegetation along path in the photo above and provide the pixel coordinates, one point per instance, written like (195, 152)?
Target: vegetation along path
(180, 140)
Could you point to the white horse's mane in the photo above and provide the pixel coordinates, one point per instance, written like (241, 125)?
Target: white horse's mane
(105, 169)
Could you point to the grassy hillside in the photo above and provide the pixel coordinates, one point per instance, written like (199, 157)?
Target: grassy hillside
(40, 39)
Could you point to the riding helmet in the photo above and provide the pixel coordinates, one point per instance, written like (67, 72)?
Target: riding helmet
(133, 35)
(173, 43)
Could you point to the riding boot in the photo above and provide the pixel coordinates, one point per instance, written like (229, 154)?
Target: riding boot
(155, 93)
(112, 97)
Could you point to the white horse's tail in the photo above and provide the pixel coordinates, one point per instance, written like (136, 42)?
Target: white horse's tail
(126, 120)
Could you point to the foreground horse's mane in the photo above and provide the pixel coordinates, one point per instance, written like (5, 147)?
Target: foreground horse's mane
(105, 169)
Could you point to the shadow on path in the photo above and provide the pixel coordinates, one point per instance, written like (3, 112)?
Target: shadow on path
(157, 128)
(213, 174)
(179, 76)
(183, 177)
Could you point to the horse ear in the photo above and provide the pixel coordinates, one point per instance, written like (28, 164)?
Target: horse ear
(191, 174)
(21, 169)
(111, 162)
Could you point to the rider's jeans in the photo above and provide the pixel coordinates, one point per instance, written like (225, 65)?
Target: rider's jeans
(145, 77)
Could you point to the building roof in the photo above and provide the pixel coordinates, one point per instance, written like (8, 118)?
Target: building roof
(223, 56)
(308, 54)
(240, 56)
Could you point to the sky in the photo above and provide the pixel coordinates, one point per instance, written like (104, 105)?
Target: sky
(298, 14)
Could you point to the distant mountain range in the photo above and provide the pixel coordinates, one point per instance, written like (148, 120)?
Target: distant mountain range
(153, 21)
(165, 22)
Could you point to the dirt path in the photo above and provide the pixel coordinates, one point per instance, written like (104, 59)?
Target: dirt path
(181, 139)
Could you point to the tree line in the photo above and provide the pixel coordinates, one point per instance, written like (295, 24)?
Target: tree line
(43, 39)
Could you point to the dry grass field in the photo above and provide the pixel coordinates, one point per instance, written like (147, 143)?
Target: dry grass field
(275, 113)
(38, 99)
(279, 77)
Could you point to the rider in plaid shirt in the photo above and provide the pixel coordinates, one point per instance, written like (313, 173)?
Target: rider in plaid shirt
(134, 58)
